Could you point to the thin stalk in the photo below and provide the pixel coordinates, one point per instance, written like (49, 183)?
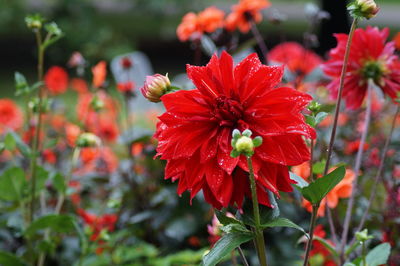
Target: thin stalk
(259, 236)
(312, 159)
(259, 39)
(337, 110)
(312, 226)
(379, 173)
(242, 256)
(35, 145)
(364, 253)
(60, 201)
(357, 167)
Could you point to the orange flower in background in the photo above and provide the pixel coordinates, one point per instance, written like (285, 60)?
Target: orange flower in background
(243, 12)
(99, 74)
(49, 156)
(72, 133)
(106, 129)
(341, 190)
(100, 160)
(342, 120)
(56, 80)
(137, 148)
(76, 186)
(11, 116)
(298, 60)
(193, 25)
(88, 115)
(397, 41)
(79, 85)
(302, 170)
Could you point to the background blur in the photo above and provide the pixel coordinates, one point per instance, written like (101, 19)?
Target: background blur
(102, 29)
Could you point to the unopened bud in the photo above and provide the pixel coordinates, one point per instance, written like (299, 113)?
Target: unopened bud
(34, 21)
(314, 107)
(37, 105)
(363, 9)
(88, 140)
(96, 104)
(244, 144)
(156, 86)
(363, 236)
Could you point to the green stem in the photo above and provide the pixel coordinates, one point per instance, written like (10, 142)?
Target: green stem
(259, 236)
(312, 226)
(35, 145)
(337, 110)
(364, 253)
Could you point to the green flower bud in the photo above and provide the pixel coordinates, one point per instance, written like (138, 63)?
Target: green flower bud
(96, 104)
(363, 9)
(363, 235)
(88, 140)
(244, 145)
(314, 107)
(34, 22)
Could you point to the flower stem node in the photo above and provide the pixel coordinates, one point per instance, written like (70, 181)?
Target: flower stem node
(37, 105)
(314, 107)
(156, 86)
(86, 140)
(363, 9)
(242, 143)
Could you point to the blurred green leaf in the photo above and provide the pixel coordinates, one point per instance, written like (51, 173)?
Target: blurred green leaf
(319, 167)
(301, 183)
(9, 142)
(57, 223)
(378, 255)
(21, 84)
(319, 117)
(12, 184)
(59, 183)
(41, 177)
(21, 145)
(318, 189)
(225, 220)
(8, 259)
(224, 246)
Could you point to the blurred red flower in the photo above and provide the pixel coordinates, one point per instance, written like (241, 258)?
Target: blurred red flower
(56, 80)
(101, 160)
(193, 26)
(125, 87)
(106, 129)
(298, 60)
(11, 116)
(79, 85)
(99, 72)
(319, 249)
(72, 133)
(243, 12)
(194, 133)
(370, 58)
(353, 146)
(98, 223)
(126, 62)
(396, 40)
(49, 156)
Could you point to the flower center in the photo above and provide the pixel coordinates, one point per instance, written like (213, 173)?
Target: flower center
(227, 111)
(373, 70)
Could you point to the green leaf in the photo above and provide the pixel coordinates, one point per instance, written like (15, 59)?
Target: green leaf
(225, 220)
(284, 222)
(267, 214)
(232, 228)
(12, 184)
(59, 183)
(57, 223)
(326, 244)
(22, 147)
(310, 120)
(318, 189)
(41, 177)
(301, 183)
(257, 141)
(319, 167)
(7, 258)
(9, 142)
(378, 255)
(21, 84)
(224, 246)
(349, 264)
(319, 117)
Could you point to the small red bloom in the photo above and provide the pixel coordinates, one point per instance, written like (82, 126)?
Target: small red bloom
(10, 115)
(353, 146)
(194, 133)
(101, 160)
(56, 80)
(49, 156)
(98, 223)
(125, 87)
(126, 62)
(397, 41)
(370, 58)
(243, 12)
(106, 129)
(298, 60)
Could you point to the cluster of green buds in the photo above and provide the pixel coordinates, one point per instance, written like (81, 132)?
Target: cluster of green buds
(34, 22)
(314, 107)
(363, 9)
(39, 106)
(86, 140)
(242, 143)
(96, 104)
(363, 236)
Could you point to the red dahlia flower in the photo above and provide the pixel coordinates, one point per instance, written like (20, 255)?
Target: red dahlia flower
(370, 58)
(56, 80)
(194, 133)
(10, 115)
